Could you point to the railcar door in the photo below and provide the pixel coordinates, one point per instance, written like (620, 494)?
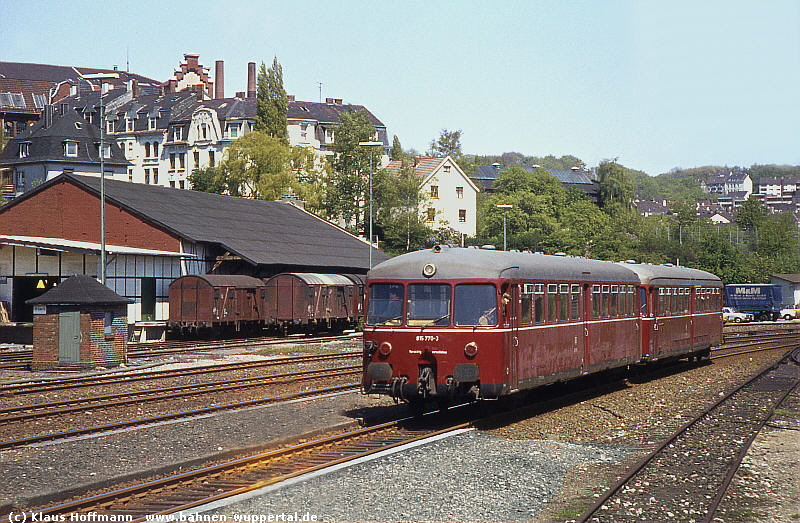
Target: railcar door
(511, 309)
(587, 314)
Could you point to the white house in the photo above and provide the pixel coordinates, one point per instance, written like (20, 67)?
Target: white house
(450, 195)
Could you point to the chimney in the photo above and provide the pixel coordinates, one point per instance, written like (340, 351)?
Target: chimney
(290, 97)
(240, 95)
(251, 79)
(219, 79)
(496, 166)
(575, 169)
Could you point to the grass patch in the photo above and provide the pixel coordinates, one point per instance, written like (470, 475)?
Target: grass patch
(278, 350)
(571, 511)
(743, 515)
(785, 413)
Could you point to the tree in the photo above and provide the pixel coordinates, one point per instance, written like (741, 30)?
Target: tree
(349, 183)
(448, 144)
(615, 185)
(396, 152)
(207, 179)
(271, 102)
(751, 214)
(257, 166)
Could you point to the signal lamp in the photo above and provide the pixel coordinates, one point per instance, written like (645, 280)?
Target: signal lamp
(471, 349)
(385, 349)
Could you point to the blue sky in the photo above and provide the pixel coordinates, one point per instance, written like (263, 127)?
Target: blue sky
(655, 84)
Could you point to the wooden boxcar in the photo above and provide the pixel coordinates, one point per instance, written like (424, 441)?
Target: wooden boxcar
(216, 303)
(308, 302)
(450, 323)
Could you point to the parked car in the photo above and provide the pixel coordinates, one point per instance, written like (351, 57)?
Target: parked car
(729, 314)
(790, 313)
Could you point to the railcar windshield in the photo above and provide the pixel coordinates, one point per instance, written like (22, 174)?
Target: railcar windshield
(475, 305)
(385, 304)
(428, 304)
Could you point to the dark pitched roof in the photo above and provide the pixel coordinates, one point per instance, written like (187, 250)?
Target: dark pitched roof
(486, 172)
(79, 290)
(60, 73)
(568, 175)
(325, 112)
(793, 278)
(47, 142)
(261, 232)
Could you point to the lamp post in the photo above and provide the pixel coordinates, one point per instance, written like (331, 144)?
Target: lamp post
(505, 207)
(370, 145)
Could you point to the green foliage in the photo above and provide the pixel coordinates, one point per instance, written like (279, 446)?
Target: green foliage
(396, 152)
(207, 179)
(751, 214)
(271, 102)
(348, 190)
(615, 184)
(448, 144)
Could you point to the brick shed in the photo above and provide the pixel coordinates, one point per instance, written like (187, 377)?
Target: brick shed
(80, 323)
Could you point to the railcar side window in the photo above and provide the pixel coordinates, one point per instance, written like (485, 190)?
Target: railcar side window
(526, 300)
(575, 302)
(630, 300)
(563, 302)
(476, 304)
(596, 298)
(643, 301)
(385, 304)
(538, 304)
(428, 304)
(552, 308)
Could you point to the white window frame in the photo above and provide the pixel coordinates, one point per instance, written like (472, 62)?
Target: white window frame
(70, 148)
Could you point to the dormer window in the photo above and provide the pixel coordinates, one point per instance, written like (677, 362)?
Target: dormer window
(177, 133)
(151, 122)
(129, 124)
(204, 131)
(446, 168)
(109, 127)
(70, 148)
(24, 149)
(106, 150)
(233, 130)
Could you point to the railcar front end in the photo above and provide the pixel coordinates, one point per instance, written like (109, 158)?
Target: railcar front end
(440, 339)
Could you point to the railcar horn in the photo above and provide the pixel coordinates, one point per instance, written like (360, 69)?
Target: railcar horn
(429, 270)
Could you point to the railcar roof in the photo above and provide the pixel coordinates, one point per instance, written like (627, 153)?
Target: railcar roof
(672, 275)
(456, 263)
(313, 278)
(226, 280)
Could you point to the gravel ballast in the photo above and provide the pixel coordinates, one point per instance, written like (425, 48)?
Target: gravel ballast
(472, 476)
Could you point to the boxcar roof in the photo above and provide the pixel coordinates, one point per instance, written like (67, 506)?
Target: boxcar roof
(225, 280)
(455, 263)
(672, 275)
(312, 278)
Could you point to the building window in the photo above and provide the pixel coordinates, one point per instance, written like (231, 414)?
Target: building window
(211, 160)
(106, 150)
(70, 148)
(182, 184)
(430, 214)
(147, 149)
(155, 149)
(129, 124)
(109, 127)
(172, 161)
(177, 133)
(130, 174)
(462, 216)
(19, 180)
(24, 149)
(151, 122)
(196, 159)
(204, 131)
(233, 130)
(182, 160)
(108, 320)
(329, 134)
(460, 193)
(434, 191)
(446, 168)
(130, 147)
(155, 176)
(147, 176)
(172, 183)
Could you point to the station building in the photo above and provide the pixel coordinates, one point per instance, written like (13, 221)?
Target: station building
(155, 234)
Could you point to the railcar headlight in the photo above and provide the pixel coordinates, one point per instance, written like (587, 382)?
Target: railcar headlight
(471, 349)
(429, 270)
(385, 349)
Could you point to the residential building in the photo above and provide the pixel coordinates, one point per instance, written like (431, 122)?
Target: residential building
(26, 88)
(651, 208)
(485, 176)
(733, 182)
(778, 186)
(449, 195)
(61, 142)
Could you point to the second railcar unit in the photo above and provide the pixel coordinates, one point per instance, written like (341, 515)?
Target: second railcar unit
(308, 302)
(216, 304)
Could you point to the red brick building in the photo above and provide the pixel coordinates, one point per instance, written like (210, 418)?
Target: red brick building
(80, 323)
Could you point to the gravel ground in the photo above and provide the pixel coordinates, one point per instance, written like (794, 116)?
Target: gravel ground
(33, 474)
(439, 481)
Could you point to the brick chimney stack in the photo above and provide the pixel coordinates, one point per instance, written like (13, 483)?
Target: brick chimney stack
(251, 79)
(219, 79)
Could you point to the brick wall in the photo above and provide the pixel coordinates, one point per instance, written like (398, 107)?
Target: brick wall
(96, 347)
(65, 210)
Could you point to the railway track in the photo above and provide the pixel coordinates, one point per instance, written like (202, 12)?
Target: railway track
(130, 377)
(187, 490)
(686, 477)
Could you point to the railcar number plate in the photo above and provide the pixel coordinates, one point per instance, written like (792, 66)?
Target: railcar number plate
(427, 338)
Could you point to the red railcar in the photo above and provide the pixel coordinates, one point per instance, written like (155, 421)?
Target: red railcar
(449, 322)
(222, 303)
(310, 301)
